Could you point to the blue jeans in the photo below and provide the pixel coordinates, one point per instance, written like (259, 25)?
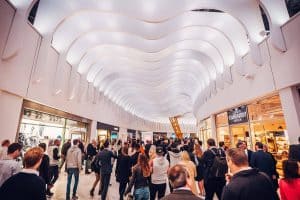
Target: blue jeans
(71, 172)
(141, 193)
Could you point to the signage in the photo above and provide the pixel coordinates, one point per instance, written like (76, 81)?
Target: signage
(238, 115)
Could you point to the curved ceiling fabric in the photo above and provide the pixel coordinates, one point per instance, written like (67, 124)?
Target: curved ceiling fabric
(155, 58)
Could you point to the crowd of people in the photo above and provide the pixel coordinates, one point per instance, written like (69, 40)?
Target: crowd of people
(145, 170)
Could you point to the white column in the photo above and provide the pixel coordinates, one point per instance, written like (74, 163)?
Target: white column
(122, 134)
(10, 111)
(93, 130)
(290, 101)
(213, 127)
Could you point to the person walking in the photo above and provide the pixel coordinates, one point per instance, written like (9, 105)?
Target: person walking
(53, 153)
(105, 157)
(3, 149)
(44, 169)
(174, 157)
(95, 165)
(191, 168)
(212, 183)
(123, 170)
(290, 184)
(9, 166)
(181, 183)
(199, 168)
(264, 163)
(64, 150)
(26, 185)
(73, 162)
(246, 183)
(91, 151)
(159, 168)
(140, 179)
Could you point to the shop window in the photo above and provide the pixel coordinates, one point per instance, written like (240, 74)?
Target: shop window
(223, 133)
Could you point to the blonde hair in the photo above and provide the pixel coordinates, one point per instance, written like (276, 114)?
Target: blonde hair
(152, 152)
(185, 156)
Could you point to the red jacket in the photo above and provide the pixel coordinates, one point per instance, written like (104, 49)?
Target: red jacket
(290, 189)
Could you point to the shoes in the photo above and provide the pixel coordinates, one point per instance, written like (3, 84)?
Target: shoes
(92, 192)
(74, 197)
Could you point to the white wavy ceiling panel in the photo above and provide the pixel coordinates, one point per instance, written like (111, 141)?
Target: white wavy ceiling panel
(152, 57)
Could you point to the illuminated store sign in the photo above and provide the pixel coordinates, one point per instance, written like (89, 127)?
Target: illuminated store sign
(237, 115)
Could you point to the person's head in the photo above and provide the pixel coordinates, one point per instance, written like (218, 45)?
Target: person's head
(57, 142)
(179, 177)
(5, 143)
(143, 163)
(259, 146)
(185, 156)
(211, 142)
(198, 150)
(94, 143)
(106, 144)
(159, 151)
(43, 146)
(137, 147)
(244, 145)
(265, 148)
(14, 150)
(33, 158)
(75, 142)
(221, 144)
(290, 169)
(236, 159)
(125, 150)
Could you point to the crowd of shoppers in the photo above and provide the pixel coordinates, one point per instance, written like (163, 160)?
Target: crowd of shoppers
(145, 171)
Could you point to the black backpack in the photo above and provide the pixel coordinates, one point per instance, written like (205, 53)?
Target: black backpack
(219, 165)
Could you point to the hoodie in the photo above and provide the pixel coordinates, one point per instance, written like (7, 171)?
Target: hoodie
(74, 157)
(174, 157)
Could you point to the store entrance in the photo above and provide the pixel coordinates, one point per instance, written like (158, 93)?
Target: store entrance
(240, 132)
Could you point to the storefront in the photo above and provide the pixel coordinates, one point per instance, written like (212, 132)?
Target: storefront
(261, 120)
(40, 123)
(205, 131)
(106, 131)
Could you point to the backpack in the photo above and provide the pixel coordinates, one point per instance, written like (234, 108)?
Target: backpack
(219, 165)
(96, 164)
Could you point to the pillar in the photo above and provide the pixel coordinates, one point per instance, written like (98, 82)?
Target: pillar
(213, 127)
(10, 111)
(93, 130)
(290, 101)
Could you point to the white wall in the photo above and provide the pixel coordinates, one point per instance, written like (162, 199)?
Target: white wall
(10, 109)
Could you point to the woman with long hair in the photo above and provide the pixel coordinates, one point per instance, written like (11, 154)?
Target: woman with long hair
(140, 179)
(290, 184)
(123, 170)
(191, 168)
(199, 168)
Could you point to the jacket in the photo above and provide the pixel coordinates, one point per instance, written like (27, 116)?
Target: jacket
(249, 184)
(53, 155)
(74, 158)
(91, 150)
(123, 168)
(208, 159)
(181, 195)
(290, 189)
(8, 167)
(134, 158)
(44, 169)
(264, 162)
(105, 157)
(137, 179)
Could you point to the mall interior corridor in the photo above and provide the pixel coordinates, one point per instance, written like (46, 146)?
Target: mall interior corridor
(198, 98)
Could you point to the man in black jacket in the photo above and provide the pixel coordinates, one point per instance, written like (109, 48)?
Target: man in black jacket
(263, 161)
(105, 158)
(212, 184)
(246, 183)
(180, 181)
(91, 151)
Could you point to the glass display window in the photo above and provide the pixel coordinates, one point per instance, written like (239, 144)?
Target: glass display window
(240, 132)
(224, 135)
(205, 131)
(222, 119)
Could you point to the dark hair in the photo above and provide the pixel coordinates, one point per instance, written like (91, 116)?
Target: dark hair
(14, 147)
(125, 150)
(106, 144)
(200, 142)
(299, 139)
(178, 176)
(211, 142)
(137, 146)
(221, 144)
(33, 156)
(75, 141)
(5, 143)
(259, 145)
(290, 169)
(43, 146)
(237, 156)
